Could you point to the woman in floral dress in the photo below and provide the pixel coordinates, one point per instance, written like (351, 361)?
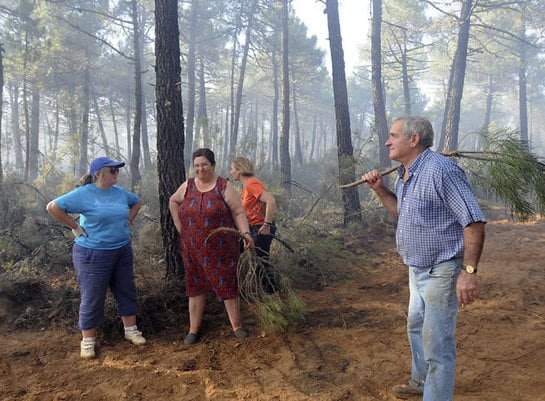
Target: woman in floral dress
(199, 206)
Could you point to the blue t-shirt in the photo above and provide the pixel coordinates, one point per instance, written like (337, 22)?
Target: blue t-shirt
(104, 214)
(434, 206)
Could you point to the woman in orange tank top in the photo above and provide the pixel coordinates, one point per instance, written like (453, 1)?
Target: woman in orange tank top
(260, 207)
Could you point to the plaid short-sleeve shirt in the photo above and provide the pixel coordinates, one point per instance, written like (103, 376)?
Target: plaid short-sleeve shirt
(435, 204)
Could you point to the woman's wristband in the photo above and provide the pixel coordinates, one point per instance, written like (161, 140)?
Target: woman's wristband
(267, 223)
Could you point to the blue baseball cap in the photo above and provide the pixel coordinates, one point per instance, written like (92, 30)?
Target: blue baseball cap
(101, 162)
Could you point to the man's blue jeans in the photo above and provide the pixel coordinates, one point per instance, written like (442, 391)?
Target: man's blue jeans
(431, 326)
(97, 270)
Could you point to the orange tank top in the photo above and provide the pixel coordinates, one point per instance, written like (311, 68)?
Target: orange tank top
(255, 209)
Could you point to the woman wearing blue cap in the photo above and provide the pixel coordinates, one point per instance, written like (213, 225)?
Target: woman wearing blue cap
(102, 252)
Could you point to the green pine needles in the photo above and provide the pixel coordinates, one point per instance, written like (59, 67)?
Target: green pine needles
(275, 312)
(507, 170)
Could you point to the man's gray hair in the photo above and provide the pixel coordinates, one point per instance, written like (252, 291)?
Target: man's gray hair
(420, 126)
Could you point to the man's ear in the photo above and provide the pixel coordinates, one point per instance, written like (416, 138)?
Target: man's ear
(414, 141)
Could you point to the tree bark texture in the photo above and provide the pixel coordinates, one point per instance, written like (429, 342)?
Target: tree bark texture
(105, 145)
(381, 125)
(345, 151)
(34, 134)
(406, 82)
(1, 104)
(114, 125)
(240, 86)
(191, 78)
(144, 133)
(170, 125)
(285, 161)
(15, 126)
(274, 114)
(451, 120)
(523, 102)
(135, 157)
(128, 119)
(83, 165)
(298, 146)
(202, 114)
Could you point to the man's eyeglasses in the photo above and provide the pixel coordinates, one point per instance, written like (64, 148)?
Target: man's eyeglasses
(114, 170)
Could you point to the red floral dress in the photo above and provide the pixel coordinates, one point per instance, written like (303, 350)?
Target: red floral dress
(209, 264)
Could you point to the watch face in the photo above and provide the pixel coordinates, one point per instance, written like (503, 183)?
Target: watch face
(469, 269)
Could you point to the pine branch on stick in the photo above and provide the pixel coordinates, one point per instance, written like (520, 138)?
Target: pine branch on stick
(504, 169)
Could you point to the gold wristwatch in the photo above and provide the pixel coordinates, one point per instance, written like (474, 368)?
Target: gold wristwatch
(469, 269)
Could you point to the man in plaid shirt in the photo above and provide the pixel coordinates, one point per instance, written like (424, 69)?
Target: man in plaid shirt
(440, 236)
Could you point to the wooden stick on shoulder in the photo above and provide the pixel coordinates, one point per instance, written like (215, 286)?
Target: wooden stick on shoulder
(362, 181)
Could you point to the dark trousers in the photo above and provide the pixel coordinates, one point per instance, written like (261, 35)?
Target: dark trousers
(262, 250)
(97, 270)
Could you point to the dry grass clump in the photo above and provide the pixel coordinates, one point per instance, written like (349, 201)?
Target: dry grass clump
(277, 311)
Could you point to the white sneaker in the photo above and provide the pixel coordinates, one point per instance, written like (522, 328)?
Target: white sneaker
(87, 349)
(135, 336)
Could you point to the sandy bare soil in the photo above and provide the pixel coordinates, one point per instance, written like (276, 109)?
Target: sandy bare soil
(353, 344)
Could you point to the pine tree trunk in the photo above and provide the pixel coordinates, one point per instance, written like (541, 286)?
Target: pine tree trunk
(1, 108)
(274, 115)
(285, 161)
(451, 120)
(34, 134)
(170, 125)
(114, 124)
(523, 101)
(240, 86)
(345, 151)
(202, 115)
(83, 165)
(298, 145)
(381, 125)
(191, 77)
(135, 157)
(15, 127)
(406, 83)
(148, 165)
(101, 127)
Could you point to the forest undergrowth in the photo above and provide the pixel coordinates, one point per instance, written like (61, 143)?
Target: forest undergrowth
(38, 288)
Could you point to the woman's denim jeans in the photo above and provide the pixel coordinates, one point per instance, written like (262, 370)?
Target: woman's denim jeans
(97, 270)
(431, 325)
